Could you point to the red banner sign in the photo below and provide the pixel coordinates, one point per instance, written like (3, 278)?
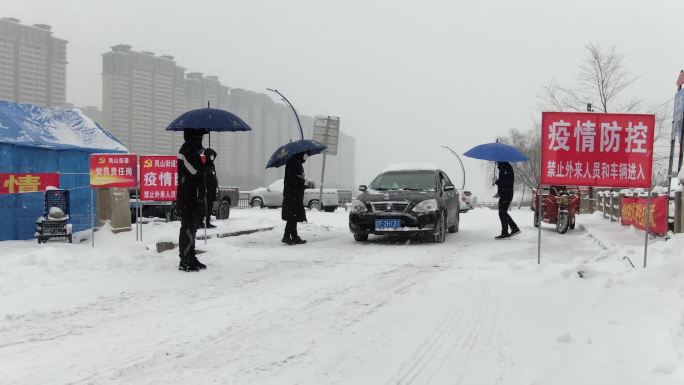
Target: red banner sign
(158, 177)
(12, 183)
(590, 149)
(113, 170)
(633, 212)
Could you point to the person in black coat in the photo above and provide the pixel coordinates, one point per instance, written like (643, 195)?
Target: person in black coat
(212, 184)
(293, 198)
(505, 192)
(190, 193)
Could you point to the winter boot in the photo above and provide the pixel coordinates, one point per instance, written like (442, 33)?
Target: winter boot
(502, 236)
(297, 241)
(514, 232)
(186, 265)
(195, 262)
(287, 240)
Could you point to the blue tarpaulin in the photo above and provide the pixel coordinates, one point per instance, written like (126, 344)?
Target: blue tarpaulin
(48, 140)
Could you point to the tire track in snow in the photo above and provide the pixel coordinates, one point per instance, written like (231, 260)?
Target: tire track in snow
(464, 334)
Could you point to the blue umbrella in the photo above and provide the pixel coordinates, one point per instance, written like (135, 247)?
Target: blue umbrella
(498, 152)
(288, 151)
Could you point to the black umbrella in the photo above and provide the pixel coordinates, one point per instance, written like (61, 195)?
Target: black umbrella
(286, 152)
(208, 120)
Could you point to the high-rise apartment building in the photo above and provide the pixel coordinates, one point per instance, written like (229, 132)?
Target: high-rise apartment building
(32, 64)
(143, 93)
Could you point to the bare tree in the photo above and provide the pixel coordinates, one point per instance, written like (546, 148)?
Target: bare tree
(601, 82)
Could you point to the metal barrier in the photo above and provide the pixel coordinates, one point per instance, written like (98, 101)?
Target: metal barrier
(243, 203)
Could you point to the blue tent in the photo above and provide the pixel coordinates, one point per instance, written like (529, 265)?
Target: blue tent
(48, 140)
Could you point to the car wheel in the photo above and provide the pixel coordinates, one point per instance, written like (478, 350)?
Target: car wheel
(360, 237)
(224, 209)
(440, 236)
(454, 229)
(315, 204)
(329, 209)
(572, 223)
(257, 202)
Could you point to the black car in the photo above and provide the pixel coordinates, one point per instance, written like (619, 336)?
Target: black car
(411, 202)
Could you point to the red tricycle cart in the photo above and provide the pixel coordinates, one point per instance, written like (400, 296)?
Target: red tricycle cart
(560, 205)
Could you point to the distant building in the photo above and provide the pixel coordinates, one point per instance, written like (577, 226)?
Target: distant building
(142, 93)
(32, 64)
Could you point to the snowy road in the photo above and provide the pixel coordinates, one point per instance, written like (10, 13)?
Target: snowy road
(334, 311)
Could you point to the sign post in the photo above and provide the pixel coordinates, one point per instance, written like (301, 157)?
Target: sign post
(158, 180)
(327, 132)
(596, 149)
(111, 170)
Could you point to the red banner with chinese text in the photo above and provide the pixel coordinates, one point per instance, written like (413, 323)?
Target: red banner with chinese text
(158, 177)
(591, 149)
(12, 183)
(633, 212)
(113, 170)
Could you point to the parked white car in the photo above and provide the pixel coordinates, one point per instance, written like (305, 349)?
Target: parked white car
(272, 197)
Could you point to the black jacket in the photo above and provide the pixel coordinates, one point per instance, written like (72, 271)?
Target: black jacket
(293, 191)
(190, 190)
(212, 180)
(506, 179)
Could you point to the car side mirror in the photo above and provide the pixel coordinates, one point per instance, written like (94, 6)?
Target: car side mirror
(363, 188)
(449, 187)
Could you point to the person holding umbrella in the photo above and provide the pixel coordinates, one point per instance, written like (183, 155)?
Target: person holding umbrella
(212, 183)
(502, 154)
(504, 185)
(292, 156)
(294, 183)
(190, 198)
(191, 189)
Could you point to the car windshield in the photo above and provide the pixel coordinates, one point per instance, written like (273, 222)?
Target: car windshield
(405, 180)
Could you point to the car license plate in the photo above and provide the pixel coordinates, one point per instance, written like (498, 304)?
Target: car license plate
(386, 224)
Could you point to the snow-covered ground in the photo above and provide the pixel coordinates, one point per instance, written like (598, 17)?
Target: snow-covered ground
(469, 311)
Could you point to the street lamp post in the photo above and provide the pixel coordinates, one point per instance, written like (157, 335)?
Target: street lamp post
(301, 132)
(459, 161)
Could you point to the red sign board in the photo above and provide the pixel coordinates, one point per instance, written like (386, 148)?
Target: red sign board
(158, 177)
(113, 170)
(589, 149)
(633, 212)
(12, 183)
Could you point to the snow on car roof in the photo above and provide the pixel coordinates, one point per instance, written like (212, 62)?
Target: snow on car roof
(411, 167)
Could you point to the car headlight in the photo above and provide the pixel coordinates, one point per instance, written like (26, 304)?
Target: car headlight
(426, 206)
(358, 207)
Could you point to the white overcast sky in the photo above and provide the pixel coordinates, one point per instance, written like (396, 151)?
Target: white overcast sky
(405, 76)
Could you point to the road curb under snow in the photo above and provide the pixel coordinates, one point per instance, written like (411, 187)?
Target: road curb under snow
(163, 246)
